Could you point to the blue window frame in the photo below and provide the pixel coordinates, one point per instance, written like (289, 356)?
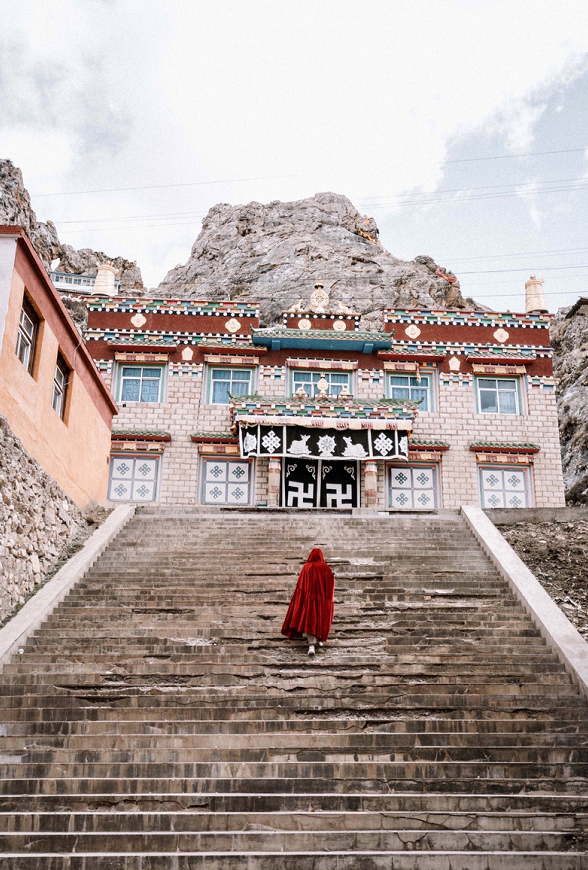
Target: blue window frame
(237, 382)
(309, 380)
(498, 395)
(410, 387)
(140, 383)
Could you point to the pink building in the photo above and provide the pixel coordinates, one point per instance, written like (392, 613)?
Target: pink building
(51, 393)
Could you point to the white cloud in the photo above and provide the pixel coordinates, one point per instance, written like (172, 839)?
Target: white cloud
(333, 95)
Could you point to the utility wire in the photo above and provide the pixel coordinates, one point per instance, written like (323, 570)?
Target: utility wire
(160, 186)
(267, 177)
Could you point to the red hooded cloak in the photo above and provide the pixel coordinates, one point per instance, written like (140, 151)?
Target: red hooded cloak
(311, 607)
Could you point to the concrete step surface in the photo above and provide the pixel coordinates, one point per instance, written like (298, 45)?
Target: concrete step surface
(158, 719)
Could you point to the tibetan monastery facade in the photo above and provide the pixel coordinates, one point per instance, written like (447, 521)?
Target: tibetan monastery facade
(440, 409)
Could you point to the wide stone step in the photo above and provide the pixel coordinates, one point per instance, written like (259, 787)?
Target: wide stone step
(461, 778)
(311, 821)
(298, 842)
(337, 860)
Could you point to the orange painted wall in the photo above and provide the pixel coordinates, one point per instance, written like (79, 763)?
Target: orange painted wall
(75, 453)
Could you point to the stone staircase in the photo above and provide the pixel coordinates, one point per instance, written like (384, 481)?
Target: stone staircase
(159, 720)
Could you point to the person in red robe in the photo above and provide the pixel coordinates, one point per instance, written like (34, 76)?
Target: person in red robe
(311, 608)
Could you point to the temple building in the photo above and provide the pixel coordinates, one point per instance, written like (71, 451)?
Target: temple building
(441, 408)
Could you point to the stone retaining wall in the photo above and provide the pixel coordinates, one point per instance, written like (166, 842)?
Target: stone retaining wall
(38, 522)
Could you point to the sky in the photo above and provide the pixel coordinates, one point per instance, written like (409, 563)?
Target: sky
(461, 126)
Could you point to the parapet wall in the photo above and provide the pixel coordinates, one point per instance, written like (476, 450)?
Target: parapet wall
(37, 522)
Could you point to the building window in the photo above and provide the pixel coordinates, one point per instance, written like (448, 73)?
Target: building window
(141, 383)
(505, 486)
(336, 381)
(226, 481)
(133, 478)
(498, 395)
(236, 382)
(410, 387)
(28, 328)
(60, 384)
(413, 487)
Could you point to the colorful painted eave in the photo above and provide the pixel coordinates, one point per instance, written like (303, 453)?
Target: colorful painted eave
(428, 443)
(472, 351)
(140, 435)
(504, 447)
(214, 438)
(278, 338)
(138, 304)
(264, 407)
(458, 317)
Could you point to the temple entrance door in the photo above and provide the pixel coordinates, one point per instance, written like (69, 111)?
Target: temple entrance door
(308, 483)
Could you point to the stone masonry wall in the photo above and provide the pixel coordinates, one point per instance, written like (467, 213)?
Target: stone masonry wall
(37, 522)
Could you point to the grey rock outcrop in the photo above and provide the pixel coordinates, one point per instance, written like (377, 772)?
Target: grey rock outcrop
(16, 209)
(38, 522)
(569, 339)
(274, 253)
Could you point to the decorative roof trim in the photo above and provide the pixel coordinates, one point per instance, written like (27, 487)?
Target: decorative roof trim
(338, 364)
(173, 306)
(231, 346)
(214, 438)
(142, 357)
(420, 353)
(139, 435)
(228, 360)
(498, 370)
(461, 317)
(427, 444)
(326, 422)
(504, 447)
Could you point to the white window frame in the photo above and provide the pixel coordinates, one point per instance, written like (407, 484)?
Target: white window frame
(226, 458)
(426, 384)
(312, 377)
(412, 468)
(499, 378)
(230, 370)
(60, 384)
(28, 326)
(502, 471)
(136, 458)
(140, 367)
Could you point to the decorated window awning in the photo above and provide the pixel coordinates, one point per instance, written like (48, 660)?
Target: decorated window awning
(222, 359)
(282, 440)
(281, 338)
(216, 443)
(503, 451)
(499, 370)
(501, 354)
(151, 440)
(344, 365)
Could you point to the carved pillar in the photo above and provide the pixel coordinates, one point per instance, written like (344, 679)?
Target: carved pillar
(273, 484)
(370, 481)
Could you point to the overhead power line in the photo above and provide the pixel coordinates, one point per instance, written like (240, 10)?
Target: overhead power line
(292, 175)
(160, 186)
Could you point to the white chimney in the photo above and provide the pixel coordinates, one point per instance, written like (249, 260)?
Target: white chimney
(534, 296)
(104, 284)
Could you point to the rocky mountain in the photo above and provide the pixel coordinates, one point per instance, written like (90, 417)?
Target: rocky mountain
(569, 338)
(16, 209)
(274, 254)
